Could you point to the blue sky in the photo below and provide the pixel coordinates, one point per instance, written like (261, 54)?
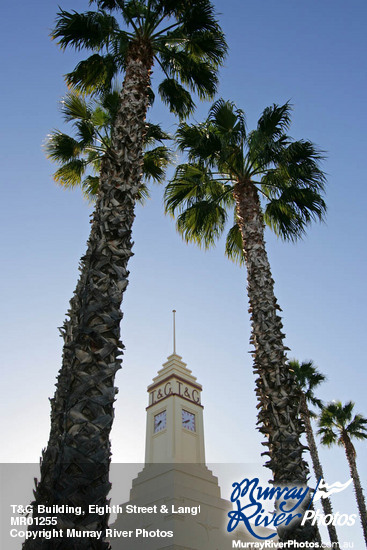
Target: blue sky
(311, 53)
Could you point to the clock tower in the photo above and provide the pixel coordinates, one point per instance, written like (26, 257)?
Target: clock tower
(175, 432)
(175, 501)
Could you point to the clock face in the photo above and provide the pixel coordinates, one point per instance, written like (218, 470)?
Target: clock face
(160, 421)
(188, 420)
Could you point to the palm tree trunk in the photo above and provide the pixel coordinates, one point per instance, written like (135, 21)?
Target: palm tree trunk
(277, 390)
(75, 465)
(319, 474)
(351, 457)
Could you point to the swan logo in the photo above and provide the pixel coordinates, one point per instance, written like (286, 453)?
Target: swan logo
(323, 490)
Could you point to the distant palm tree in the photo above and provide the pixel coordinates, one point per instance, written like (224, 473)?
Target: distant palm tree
(183, 39)
(80, 156)
(264, 176)
(338, 425)
(309, 378)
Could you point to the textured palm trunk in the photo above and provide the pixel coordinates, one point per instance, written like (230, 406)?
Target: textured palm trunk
(351, 457)
(325, 502)
(75, 465)
(276, 387)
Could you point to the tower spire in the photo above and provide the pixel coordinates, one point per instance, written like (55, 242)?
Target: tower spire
(174, 331)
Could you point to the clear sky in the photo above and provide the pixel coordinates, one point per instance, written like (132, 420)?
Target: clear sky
(309, 52)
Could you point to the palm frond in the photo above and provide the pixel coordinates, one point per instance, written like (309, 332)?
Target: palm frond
(186, 187)
(169, 8)
(357, 428)
(202, 223)
(328, 436)
(154, 133)
(346, 412)
(110, 102)
(91, 29)
(134, 10)
(100, 117)
(94, 158)
(94, 74)
(269, 139)
(198, 142)
(308, 378)
(274, 121)
(75, 107)
(193, 184)
(155, 162)
(119, 47)
(86, 132)
(234, 245)
(294, 209)
(200, 202)
(297, 177)
(70, 174)
(90, 186)
(197, 16)
(208, 46)
(227, 118)
(143, 193)
(176, 97)
(60, 147)
(198, 75)
(301, 160)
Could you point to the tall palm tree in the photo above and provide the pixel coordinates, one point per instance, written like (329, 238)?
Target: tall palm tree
(309, 378)
(338, 425)
(264, 176)
(184, 39)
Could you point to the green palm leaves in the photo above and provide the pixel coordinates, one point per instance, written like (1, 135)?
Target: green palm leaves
(83, 153)
(338, 425)
(308, 378)
(182, 38)
(222, 154)
(80, 157)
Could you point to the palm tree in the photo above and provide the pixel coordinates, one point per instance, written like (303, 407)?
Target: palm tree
(231, 169)
(309, 378)
(184, 39)
(338, 425)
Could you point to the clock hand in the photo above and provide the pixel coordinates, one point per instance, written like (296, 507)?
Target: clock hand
(186, 421)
